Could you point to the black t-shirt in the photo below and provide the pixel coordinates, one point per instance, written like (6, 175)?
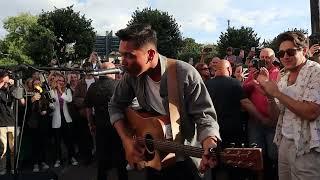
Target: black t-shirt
(226, 93)
(98, 96)
(6, 114)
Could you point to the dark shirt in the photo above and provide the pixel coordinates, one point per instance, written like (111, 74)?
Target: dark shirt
(6, 114)
(226, 93)
(98, 96)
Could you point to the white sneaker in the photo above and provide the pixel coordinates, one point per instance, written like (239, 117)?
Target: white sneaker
(57, 164)
(35, 168)
(45, 166)
(74, 162)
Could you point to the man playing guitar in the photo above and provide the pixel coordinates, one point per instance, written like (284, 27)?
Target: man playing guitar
(146, 79)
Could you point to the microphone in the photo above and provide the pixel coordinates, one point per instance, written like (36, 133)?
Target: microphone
(106, 71)
(47, 90)
(18, 91)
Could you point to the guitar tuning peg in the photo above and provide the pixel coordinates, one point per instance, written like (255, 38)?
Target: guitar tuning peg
(232, 145)
(254, 145)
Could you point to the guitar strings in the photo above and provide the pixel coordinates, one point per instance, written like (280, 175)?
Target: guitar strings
(177, 147)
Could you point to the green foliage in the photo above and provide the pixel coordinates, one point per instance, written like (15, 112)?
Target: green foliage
(168, 33)
(69, 27)
(213, 52)
(18, 26)
(243, 38)
(273, 44)
(13, 46)
(190, 49)
(40, 45)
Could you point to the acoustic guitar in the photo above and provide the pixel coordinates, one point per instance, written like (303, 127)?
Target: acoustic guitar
(148, 131)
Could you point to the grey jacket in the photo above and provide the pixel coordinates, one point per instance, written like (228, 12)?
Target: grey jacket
(197, 111)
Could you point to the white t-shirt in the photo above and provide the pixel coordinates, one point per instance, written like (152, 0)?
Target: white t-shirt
(89, 82)
(287, 126)
(155, 101)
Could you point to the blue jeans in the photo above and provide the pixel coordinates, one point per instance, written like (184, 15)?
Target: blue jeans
(263, 137)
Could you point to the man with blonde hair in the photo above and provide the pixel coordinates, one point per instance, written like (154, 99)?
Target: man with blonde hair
(259, 132)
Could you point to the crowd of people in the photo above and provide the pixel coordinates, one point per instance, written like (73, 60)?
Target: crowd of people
(57, 113)
(251, 112)
(268, 100)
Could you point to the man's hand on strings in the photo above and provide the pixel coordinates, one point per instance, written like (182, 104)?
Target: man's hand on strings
(207, 160)
(134, 151)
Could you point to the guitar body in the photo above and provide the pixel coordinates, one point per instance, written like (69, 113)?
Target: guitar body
(146, 124)
(148, 131)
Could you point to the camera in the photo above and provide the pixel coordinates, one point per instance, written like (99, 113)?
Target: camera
(258, 63)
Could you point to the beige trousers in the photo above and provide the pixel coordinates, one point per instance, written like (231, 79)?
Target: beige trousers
(291, 167)
(6, 133)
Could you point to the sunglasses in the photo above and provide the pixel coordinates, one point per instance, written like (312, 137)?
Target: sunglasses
(290, 52)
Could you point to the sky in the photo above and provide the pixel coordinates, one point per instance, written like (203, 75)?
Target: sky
(202, 20)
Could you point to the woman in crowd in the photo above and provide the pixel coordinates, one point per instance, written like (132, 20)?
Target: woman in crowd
(203, 70)
(61, 119)
(39, 123)
(238, 73)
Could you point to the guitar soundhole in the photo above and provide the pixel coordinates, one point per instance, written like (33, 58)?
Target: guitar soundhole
(149, 153)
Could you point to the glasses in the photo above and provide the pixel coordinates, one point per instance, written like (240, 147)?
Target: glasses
(264, 57)
(290, 52)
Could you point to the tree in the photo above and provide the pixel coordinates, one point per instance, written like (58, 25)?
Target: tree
(243, 38)
(69, 27)
(273, 43)
(13, 46)
(40, 45)
(168, 33)
(189, 49)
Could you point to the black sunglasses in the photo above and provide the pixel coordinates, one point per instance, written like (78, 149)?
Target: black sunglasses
(290, 52)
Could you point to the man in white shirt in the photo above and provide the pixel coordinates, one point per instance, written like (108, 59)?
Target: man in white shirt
(298, 109)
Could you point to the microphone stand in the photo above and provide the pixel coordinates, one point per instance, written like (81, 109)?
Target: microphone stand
(17, 81)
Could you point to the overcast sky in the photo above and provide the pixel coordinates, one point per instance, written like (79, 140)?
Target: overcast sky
(203, 20)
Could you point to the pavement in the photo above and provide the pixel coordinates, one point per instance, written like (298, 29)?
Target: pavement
(68, 172)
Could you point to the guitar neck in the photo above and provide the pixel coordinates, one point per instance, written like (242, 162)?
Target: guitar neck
(172, 147)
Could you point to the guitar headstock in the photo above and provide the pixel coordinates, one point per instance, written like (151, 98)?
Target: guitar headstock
(249, 158)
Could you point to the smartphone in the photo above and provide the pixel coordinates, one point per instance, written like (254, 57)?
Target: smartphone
(262, 63)
(258, 63)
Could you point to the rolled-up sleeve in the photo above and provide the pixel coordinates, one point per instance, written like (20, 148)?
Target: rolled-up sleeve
(121, 99)
(312, 91)
(201, 109)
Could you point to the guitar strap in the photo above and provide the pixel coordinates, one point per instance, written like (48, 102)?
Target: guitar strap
(174, 101)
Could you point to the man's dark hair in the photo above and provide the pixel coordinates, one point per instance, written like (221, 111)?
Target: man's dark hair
(3, 73)
(139, 34)
(299, 39)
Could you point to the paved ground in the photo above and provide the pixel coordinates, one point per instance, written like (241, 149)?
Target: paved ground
(68, 173)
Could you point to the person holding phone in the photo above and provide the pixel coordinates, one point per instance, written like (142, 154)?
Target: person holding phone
(262, 132)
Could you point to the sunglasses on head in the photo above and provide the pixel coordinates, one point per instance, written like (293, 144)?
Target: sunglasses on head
(290, 52)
